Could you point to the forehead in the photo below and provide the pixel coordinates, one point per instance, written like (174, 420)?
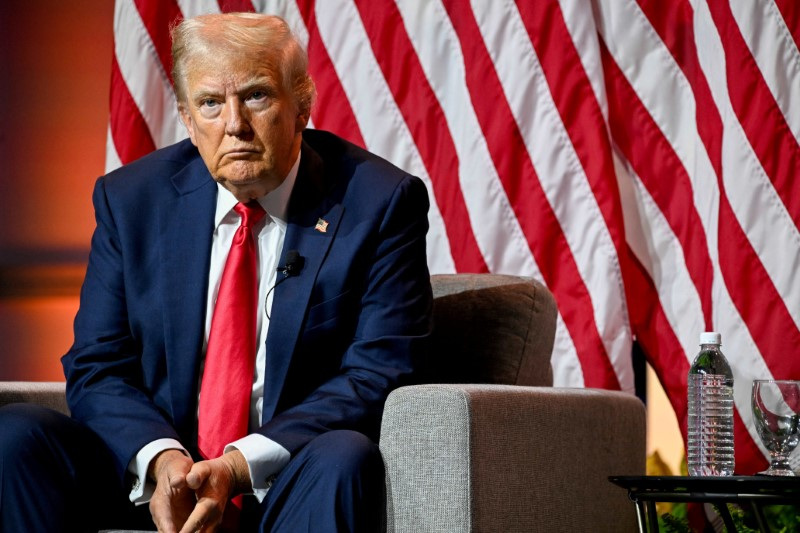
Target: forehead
(233, 67)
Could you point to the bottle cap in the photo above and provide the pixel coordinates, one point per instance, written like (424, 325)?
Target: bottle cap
(710, 337)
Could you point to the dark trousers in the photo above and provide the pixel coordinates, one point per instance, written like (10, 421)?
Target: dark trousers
(56, 475)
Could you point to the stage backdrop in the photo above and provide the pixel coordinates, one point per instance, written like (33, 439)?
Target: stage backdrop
(639, 157)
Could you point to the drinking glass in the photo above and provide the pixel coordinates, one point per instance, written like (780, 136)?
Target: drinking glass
(776, 410)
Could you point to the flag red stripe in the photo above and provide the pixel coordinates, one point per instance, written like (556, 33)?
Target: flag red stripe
(749, 459)
(128, 129)
(535, 215)
(230, 6)
(790, 10)
(332, 111)
(655, 335)
(660, 170)
(426, 122)
(158, 18)
(577, 105)
(759, 114)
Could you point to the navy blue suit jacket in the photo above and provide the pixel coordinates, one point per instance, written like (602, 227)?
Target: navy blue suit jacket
(343, 333)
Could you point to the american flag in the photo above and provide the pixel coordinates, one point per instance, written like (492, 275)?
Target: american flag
(638, 156)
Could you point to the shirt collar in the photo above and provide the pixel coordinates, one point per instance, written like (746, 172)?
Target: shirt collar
(275, 203)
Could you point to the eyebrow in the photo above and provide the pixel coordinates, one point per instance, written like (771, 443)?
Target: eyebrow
(266, 82)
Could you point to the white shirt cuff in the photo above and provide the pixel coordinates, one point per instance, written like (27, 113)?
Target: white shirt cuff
(142, 489)
(265, 458)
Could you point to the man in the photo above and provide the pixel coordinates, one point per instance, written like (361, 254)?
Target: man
(320, 247)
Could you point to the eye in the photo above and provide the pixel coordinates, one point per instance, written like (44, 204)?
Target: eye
(209, 107)
(257, 96)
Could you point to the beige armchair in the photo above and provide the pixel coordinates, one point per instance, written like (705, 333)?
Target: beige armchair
(492, 447)
(505, 452)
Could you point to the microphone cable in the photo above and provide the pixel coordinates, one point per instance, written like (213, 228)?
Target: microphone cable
(294, 264)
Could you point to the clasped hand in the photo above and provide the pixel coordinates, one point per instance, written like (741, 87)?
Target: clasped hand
(191, 496)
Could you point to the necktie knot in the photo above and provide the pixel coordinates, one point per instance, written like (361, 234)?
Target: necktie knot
(251, 213)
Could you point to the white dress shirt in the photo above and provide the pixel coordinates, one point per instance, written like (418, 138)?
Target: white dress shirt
(264, 457)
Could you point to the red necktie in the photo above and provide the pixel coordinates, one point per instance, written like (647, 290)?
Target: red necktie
(230, 358)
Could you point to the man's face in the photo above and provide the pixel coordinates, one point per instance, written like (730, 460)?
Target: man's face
(245, 125)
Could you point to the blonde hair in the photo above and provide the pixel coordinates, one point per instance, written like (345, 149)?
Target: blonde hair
(205, 34)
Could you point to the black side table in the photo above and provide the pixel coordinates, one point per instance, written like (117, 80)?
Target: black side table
(755, 491)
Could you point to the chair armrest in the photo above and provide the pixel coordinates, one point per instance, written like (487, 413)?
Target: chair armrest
(507, 458)
(50, 394)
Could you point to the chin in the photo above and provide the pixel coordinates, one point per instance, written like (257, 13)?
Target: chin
(245, 189)
(241, 181)
(241, 177)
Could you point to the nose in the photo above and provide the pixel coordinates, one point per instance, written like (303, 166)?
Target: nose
(236, 123)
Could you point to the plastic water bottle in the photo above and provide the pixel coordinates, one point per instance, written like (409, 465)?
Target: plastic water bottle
(710, 386)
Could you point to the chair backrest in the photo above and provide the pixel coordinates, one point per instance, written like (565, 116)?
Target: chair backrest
(491, 328)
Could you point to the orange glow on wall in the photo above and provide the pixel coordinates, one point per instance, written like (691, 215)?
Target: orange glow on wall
(36, 332)
(55, 64)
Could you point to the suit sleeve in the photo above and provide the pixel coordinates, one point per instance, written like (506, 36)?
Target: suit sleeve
(103, 370)
(391, 333)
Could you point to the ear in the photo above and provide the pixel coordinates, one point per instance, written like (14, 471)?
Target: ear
(186, 118)
(301, 122)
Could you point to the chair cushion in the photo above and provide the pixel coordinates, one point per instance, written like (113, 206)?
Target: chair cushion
(491, 328)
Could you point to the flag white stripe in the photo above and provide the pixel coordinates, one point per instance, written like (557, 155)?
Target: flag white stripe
(288, 10)
(112, 159)
(567, 369)
(192, 8)
(583, 31)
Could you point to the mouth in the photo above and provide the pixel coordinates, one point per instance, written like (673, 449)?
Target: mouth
(240, 153)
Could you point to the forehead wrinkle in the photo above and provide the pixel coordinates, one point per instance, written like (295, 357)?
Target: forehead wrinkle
(223, 65)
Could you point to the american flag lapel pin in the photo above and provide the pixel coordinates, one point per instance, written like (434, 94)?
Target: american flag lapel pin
(322, 225)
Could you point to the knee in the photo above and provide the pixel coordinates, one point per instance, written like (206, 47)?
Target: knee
(24, 426)
(348, 452)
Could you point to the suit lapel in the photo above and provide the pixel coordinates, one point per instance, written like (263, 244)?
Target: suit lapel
(309, 206)
(186, 226)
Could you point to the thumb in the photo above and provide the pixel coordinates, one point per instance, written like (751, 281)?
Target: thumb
(198, 475)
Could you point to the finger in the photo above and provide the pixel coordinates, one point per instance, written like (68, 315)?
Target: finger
(198, 475)
(176, 471)
(169, 506)
(205, 517)
(177, 481)
(162, 518)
